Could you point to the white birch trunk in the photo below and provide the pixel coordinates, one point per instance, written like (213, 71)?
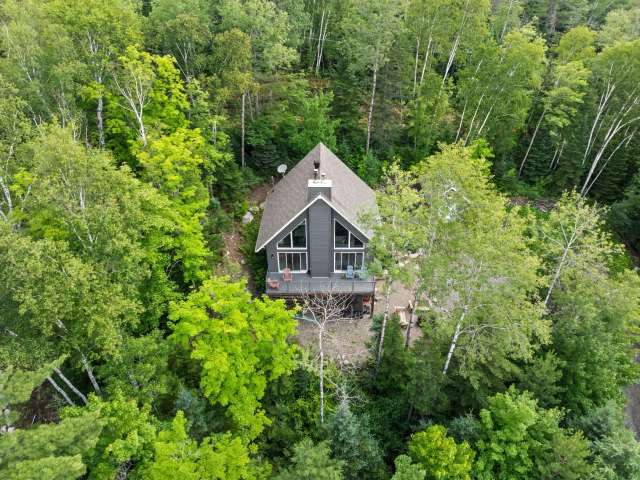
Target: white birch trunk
(533, 138)
(100, 121)
(383, 327)
(61, 391)
(70, 385)
(453, 345)
(371, 104)
(559, 268)
(89, 370)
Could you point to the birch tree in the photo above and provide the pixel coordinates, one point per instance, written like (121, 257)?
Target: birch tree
(567, 86)
(496, 89)
(100, 34)
(133, 81)
(394, 230)
(23, 454)
(369, 31)
(15, 182)
(59, 305)
(322, 311)
(572, 238)
(615, 109)
(482, 280)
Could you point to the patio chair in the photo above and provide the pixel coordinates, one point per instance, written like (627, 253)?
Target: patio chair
(350, 273)
(287, 276)
(273, 283)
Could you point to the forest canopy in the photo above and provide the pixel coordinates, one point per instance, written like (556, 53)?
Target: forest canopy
(502, 139)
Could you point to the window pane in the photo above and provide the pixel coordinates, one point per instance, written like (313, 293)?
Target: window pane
(303, 261)
(355, 243)
(299, 237)
(341, 236)
(359, 261)
(295, 261)
(282, 259)
(285, 242)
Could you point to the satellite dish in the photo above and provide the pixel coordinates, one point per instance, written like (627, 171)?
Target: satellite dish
(282, 168)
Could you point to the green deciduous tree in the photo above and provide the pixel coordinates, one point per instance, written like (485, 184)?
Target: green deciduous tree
(440, 456)
(126, 439)
(241, 344)
(175, 165)
(595, 323)
(496, 89)
(405, 470)
(368, 33)
(99, 33)
(219, 457)
(482, 296)
(567, 80)
(268, 29)
(518, 439)
(107, 218)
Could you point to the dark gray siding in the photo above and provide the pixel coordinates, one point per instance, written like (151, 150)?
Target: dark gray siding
(320, 235)
(319, 218)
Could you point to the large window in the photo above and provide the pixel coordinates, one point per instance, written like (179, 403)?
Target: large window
(343, 238)
(294, 261)
(343, 260)
(296, 238)
(292, 253)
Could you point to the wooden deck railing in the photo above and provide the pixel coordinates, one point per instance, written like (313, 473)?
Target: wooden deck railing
(322, 285)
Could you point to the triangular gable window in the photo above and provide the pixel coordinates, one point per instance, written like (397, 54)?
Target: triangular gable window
(296, 238)
(343, 238)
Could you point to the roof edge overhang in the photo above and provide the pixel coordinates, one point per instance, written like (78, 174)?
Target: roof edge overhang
(306, 207)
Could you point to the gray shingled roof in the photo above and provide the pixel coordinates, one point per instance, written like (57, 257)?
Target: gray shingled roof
(350, 196)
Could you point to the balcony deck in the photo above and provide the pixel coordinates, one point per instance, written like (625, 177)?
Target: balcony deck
(303, 283)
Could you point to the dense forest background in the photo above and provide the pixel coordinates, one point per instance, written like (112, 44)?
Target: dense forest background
(502, 140)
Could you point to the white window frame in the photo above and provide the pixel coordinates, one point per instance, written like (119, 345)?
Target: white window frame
(348, 247)
(290, 235)
(343, 251)
(294, 250)
(289, 251)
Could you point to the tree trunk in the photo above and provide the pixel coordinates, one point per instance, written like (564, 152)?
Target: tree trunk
(61, 391)
(552, 18)
(454, 343)
(533, 137)
(143, 132)
(89, 370)
(556, 276)
(242, 131)
(100, 121)
(412, 319)
(415, 65)
(383, 327)
(70, 385)
(321, 348)
(426, 60)
(371, 104)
